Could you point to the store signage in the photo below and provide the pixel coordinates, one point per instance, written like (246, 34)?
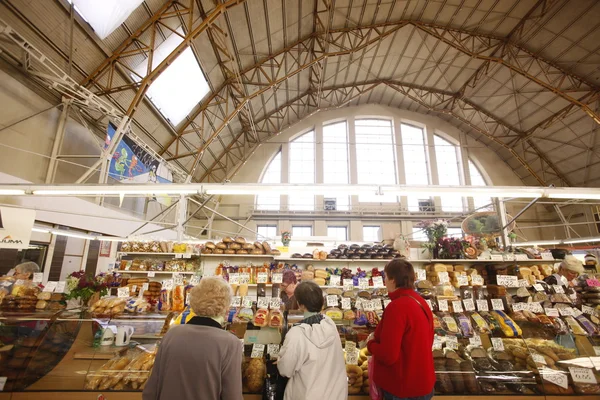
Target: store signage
(427, 301)
(462, 280)
(234, 279)
(469, 304)
(38, 277)
(378, 281)
(247, 302)
(277, 277)
(497, 305)
(195, 280)
(236, 301)
(335, 280)
(444, 277)
(437, 342)
(60, 287)
(15, 227)
(452, 342)
(482, 305)
(332, 301)
(244, 278)
(521, 257)
(497, 257)
(552, 376)
(263, 302)
(123, 292)
(538, 287)
(363, 283)
(558, 289)
(50, 287)
(273, 350)
(262, 277)
(547, 256)
(421, 275)
(377, 304)
(582, 375)
(477, 280)
(520, 307)
(443, 305)
(536, 308)
(538, 359)
(588, 310)
(475, 340)
(552, 312)
(348, 284)
(498, 344)
(275, 303)
(352, 357)
(524, 283)
(257, 350)
(151, 274)
(457, 306)
(507, 280)
(346, 303)
(593, 282)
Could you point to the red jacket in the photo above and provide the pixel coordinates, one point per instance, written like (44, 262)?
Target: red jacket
(402, 348)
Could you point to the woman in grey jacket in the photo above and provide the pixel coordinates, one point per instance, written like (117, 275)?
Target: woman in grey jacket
(199, 360)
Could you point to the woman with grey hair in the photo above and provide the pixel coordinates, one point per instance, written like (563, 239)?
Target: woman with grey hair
(199, 360)
(26, 270)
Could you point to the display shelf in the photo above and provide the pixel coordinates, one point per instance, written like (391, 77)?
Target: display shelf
(416, 261)
(144, 253)
(158, 272)
(236, 256)
(337, 260)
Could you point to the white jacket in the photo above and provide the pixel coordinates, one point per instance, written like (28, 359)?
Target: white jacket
(312, 357)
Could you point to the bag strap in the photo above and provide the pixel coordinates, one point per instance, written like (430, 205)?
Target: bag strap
(420, 305)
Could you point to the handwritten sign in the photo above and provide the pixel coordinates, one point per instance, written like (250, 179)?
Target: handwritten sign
(457, 306)
(538, 287)
(585, 309)
(582, 375)
(277, 277)
(262, 277)
(273, 350)
(263, 302)
(475, 340)
(368, 305)
(547, 256)
(462, 280)
(275, 303)
(558, 289)
(123, 292)
(482, 305)
(443, 305)
(443, 277)
(50, 287)
(552, 312)
(168, 284)
(60, 287)
(378, 281)
(363, 283)
(151, 274)
(348, 284)
(538, 359)
(247, 302)
(346, 303)
(244, 278)
(332, 301)
(507, 280)
(177, 279)
(469, 304)
(498, 344)
(536, 308)
(234, 279)
(437, 342)
(257, 350)
(236, 301)
(521, 257)
(352, 357)
(555, 377)
(38, 277)
(335, 280)
(520, 306)
(497, 305)
(523, 283)
(421, 275)
(195, 280)
(452, 342)
(477, 280)
(497, 257)
(377, 304)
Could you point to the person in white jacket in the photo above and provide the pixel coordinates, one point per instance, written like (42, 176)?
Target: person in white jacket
(311, 355)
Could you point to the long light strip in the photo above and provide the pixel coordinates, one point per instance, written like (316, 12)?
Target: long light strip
(557, 242)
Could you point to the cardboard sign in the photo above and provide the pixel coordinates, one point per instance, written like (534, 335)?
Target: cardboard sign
(498, 344)
(257, 350)
(469, 304)
(497, 305)
(582, 375)
(585, 309)
(38, 277)
(277, 277)
(482, 305)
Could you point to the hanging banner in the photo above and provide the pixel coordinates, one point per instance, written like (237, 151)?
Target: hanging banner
(15, 227)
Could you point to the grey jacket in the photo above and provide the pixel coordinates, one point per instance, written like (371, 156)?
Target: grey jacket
(197, 361)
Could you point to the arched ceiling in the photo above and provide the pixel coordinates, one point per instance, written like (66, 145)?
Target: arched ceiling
(520, 76)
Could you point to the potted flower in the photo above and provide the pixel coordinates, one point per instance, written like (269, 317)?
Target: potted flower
(434, 230)
(85, 288)
(286, 237)
(452, 248)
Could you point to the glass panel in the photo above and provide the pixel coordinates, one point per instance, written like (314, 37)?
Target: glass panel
(335, 160)
(105, 16)
(302, 170)
(419, 235)
(375, 137)
(339, 233)
(266, 232)
(455, 233)
(301, 231)
(415, 160)
(371, 233)
(448, 172)
(272, 175)
(477, 180)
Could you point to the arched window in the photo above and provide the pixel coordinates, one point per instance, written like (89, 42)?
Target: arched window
(448, 167)
(302, 170)
(271, 175)
(481, 203)
(415, 161)
(336, 168)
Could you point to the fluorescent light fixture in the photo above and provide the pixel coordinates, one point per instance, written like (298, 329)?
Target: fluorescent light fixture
(575, 195)
(289, 189)
(110, 238)
(581, 240)
(73, 235)
(112, 192)
(40, 230)
(12, 192)
(538, 243)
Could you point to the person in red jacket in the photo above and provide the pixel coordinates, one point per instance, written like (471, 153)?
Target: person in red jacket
(402, 344)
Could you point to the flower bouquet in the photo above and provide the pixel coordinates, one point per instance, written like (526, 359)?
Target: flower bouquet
(452, 248)
(286, 237)
(84, 287)
(434, 230)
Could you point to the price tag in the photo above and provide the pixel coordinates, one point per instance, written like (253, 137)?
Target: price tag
(6, 283)
(582, 375)
(597, 350)
(350, 346)
(443, 305)
(477, 280)
(2, 382)
(168, 284)
(50, 287)
(195, 280)
(377, 304)
(179, 255)
(123, 292)
(187, 298)
(521, 257)
(575, 312)
(452, 342)
(565, 312)
(247, 302)
(482, 305)
(421, 275)
(498, 344)
(363, 283)
(497, 305)
(263, 302)
(593, 282)
(497, 257)
(538, 359)
(507, 280)
(151, 274)
(244, 278)
(558, 289)
(257, 350)
(547, 256)
(236, 301)
(457, 306)
(234, 279)
(348, 284)
(133, 289)
(368, 305)
(277, 277)
(427, 301)
(469, 304)
(332, 301)
(552, 312)
(352, 357)
(463, 280)
(262, 277)
(520, 306)
(335, 280)
(437, 342)
(60, 287)
(536, 308)
(378, 282)
(523, 283)
(145, 287)
(358, 304)
(444, 277)
(38, 277)
(552, 376)
(177, 279)
(275, 303)
(273, 350)
(386, 302)
(346, 303)
(538, 287)
(584, 309)
(482, 258)
(475, 341)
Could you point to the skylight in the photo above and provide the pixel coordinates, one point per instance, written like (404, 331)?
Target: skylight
(181, 86)
(105, 16)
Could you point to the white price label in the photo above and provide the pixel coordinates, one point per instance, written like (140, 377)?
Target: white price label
(443, 305)
(508, 257)
(234, 279)
(482, 258)
(437, 342)
(179, 255)
(275, 303)
(277, 277)
(3, 380)
(60, 287)
(262, 277)
(520, 306)
(273, 350)
(576, 312)
(497, 257)
(358, 304)
(521, 257)
(378, 282)
(428, 303)
(556, 377)
(195, 280)
(457, 306)
(538, 287)
(50, 287)
(565, 311)
(421, 275)
(377, 304)
(168, 284)
(583, 375)
(247, 302)
(145, 287)
(133, 289)
(350, 346)
(386, 302)
(477, 280)
(482, 305)
(536, 308)
(151, 274)
(523, 283)
(475, 340)
(263, 302)
(507, 280)
(597, 350)
(188, 297)
(552, 312)
(547, 256)
(177, 279)
(368, 305)
(363, 283)
(236, 301)
(244, 278)
(558, 289)
(538, 359)
(335, 280)
(348, 284)
(498, 344)
(469, 304)
(38, 277)
(444, 277)
(123, 292)
(497, 305)
(352, 357)
(346, 303)
(332, 300)
(462, 280)
(258, 350)
(452, 342)
(588, 310)
(6, 283)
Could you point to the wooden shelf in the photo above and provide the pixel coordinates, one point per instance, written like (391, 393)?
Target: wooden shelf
(144, 253)
(236, 256)
(158, 272)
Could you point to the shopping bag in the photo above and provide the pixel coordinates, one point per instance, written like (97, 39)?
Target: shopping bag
(374, 390)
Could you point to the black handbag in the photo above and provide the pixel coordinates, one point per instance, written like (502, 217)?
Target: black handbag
(274, 386)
